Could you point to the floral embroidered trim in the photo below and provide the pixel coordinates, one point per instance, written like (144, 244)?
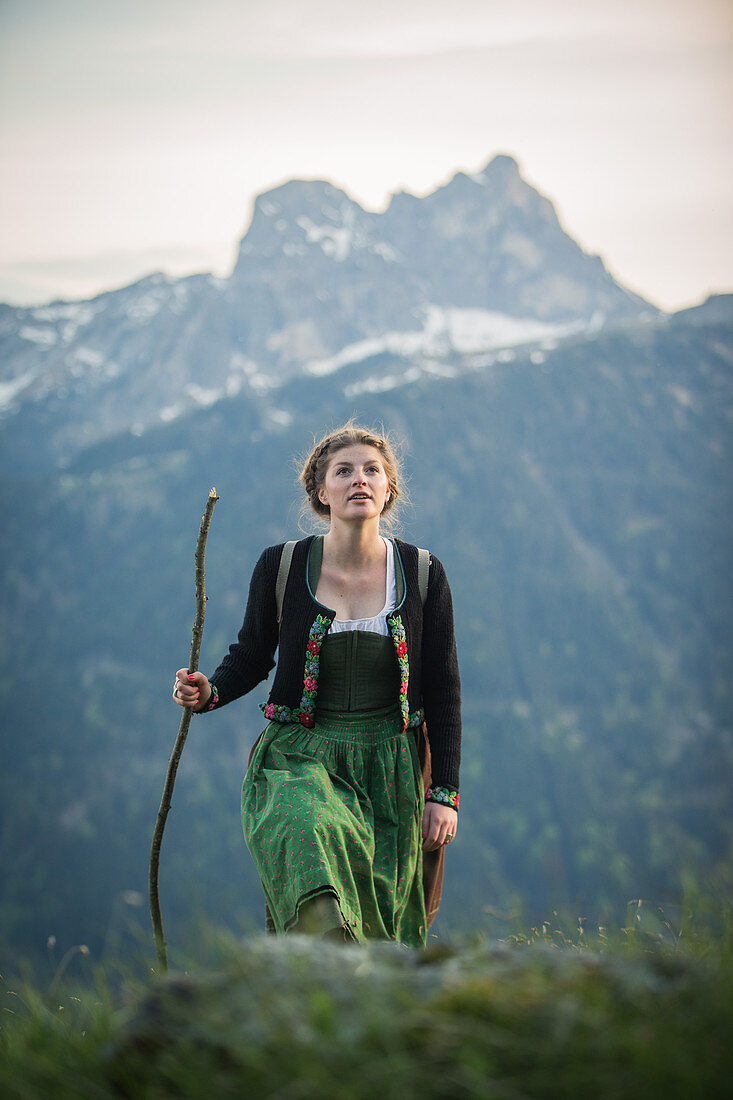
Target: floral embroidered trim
(213, 698)
(275, 713)
(312, 667)
(444, 795)
(416, 718)
(399, 638)
(304, 714)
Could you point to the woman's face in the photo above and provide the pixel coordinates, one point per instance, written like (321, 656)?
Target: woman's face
(356, 485)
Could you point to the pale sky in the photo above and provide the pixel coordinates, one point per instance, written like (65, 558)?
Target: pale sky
(135, 134)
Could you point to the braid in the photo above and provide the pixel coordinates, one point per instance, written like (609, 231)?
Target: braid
(310, 475)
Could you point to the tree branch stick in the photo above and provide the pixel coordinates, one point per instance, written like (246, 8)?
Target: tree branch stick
(165, 802)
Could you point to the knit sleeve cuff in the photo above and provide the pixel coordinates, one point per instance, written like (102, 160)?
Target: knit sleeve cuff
(445, 796)
(213, 701)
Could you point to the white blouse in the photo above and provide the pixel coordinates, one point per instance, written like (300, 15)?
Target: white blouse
(377, 623)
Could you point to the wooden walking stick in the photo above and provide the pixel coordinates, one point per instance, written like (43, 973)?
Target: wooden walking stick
(170, 778)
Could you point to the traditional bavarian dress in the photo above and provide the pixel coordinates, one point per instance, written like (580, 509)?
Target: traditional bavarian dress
(333, 814)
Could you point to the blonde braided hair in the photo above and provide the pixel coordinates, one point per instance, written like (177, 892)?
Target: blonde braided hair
(350, 434)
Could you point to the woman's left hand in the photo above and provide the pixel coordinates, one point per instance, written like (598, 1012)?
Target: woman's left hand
(439, 825)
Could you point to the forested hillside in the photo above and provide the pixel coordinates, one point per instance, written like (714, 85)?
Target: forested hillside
(578, 494)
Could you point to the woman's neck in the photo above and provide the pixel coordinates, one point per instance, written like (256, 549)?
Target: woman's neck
(353, 544)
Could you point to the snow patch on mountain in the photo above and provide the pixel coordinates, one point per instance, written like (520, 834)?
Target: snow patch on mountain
(88, 357)
(472, 330)
(437, 368)
(12, 389)
(242, 369)
(396, 342)
(201, 396)
(682, 396)
(46, 337)
(389, 255)
(144, 309)
(158, 291)
(466, 331)
(335, 241)
(279, 418)
(233, 384)
(382, 383)
(67, 317)
(78, 313)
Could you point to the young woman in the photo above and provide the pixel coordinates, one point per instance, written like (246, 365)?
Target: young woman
(333, 806)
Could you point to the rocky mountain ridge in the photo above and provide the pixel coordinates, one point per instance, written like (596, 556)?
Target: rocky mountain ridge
(481, 264)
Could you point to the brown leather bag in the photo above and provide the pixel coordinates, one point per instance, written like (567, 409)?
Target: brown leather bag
(433, 863)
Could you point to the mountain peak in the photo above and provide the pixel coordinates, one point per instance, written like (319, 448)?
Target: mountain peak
(281, 206)
(299, 194)
(290, 217)
(501, 167)
(487, 240)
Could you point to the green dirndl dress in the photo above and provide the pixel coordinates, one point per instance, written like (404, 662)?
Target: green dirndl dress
(334, 812)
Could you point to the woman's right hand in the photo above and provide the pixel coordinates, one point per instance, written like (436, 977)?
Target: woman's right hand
(191, 689)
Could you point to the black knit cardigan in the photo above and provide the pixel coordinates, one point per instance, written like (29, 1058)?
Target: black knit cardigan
(424, 642)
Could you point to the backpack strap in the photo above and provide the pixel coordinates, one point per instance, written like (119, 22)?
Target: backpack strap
(282, 577)
(423, 567)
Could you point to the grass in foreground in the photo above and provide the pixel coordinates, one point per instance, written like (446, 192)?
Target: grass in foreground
(545, 1014)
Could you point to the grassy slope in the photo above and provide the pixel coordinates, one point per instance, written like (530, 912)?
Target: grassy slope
(538, 1015)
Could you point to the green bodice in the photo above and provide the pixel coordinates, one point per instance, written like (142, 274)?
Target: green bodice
(358, 671)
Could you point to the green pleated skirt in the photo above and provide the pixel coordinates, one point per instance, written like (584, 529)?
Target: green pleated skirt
(336, 811)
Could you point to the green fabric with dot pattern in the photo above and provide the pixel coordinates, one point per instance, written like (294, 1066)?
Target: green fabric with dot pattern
(337, 810)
